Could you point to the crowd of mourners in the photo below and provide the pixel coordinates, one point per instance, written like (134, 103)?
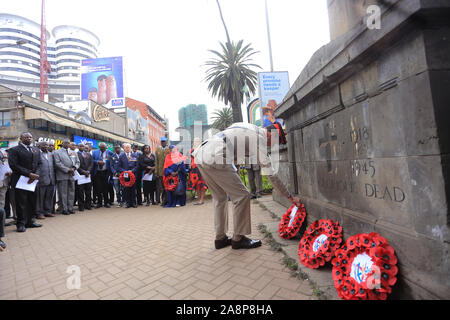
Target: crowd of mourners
(78, 176)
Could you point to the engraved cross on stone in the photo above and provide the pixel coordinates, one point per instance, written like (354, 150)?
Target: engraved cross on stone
(326, 142)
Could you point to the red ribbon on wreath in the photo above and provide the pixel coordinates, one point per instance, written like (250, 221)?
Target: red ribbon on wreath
(364, 268)
(171, 182)
(127, 179)
(319, 243)
(289, 226)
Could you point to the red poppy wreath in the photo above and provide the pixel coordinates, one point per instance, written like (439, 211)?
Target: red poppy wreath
(291, 222)
(171, 183)
(127, 179)
(319, 243)
(364, 268)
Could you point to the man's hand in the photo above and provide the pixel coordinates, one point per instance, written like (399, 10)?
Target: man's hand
(86, 174)
(32, 177)
(100, 162)
(72, 171)
(295, 200)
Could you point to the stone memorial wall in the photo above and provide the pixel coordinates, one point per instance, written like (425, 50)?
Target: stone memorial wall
(368, 129)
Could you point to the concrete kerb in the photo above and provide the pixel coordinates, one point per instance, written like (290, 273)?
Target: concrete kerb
(320, 279)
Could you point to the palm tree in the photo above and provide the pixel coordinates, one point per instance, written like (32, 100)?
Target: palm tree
(229, 71)
(222, 118)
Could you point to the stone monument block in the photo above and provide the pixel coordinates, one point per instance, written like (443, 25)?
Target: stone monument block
(369, 117)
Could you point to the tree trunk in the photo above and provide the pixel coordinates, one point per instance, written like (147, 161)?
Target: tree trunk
(237, 113)
(223, 21)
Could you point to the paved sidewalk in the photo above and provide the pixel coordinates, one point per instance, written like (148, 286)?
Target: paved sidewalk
(144, 253)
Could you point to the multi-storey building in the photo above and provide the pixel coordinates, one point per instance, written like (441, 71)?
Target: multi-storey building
(20, 63)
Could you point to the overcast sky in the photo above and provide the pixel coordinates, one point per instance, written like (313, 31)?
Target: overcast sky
(165, 43)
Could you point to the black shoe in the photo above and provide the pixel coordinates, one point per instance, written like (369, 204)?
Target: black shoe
(11, 223)
(71, 212)
(98, 206)
(253, 197)
(134, 206)
(81, 209)
(245, 243)
(225, 242)
(107, 206)
(89, 208)
(34, 225)
(65, 213)
(21, 229)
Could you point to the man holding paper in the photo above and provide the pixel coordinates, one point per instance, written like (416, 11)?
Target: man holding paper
(84, 189)
(24, 161)
(45, 190)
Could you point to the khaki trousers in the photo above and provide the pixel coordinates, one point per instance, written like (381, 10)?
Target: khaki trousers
(224, 181)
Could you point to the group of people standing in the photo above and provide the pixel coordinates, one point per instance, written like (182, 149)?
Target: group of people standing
(76, 175)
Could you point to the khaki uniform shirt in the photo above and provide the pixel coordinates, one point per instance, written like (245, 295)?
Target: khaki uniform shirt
(240, 143)
(160, 157)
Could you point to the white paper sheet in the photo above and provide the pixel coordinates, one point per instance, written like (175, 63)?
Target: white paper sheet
(293, 212)
(81, 179)
(24, 185)
(148, 177)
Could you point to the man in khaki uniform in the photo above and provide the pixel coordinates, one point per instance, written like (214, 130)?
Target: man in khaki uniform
(215, 159)
(160, 157)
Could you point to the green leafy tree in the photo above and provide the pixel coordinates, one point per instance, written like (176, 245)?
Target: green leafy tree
(229, 71)
(222, 118)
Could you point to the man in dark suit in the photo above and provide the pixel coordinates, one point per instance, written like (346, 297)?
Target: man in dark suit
(101, 173)
(128, 162)
(24, 160)
(84, 190)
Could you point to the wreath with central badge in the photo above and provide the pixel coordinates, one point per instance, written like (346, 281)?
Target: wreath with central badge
(365, 268)
(291, 222)
(127, 179)
(319, 243)
(171, 183)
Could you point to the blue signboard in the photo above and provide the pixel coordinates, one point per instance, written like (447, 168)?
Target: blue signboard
(273, 86)
(83, 140)
(102, 80)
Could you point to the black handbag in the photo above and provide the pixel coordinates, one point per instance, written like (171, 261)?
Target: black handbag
(180, 190)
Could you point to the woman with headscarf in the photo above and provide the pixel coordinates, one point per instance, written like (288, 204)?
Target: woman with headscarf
(175, 178)
(196, 181)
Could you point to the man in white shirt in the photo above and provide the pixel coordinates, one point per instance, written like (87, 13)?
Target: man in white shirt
(215, 159)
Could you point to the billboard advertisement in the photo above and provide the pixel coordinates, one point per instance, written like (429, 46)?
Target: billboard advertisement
(102, 81)
(273, 86)
(85, 141)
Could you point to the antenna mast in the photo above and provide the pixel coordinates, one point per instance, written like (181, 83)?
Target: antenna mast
(44, 65)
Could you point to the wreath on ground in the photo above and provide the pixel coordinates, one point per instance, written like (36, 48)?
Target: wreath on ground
(319, 243)
(292, 221)
(171, 183)
(127, 179)
(364, 268)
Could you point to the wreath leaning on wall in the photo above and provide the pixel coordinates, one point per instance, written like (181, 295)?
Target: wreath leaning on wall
(364, 268)
(319, 243)
(292, 221)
